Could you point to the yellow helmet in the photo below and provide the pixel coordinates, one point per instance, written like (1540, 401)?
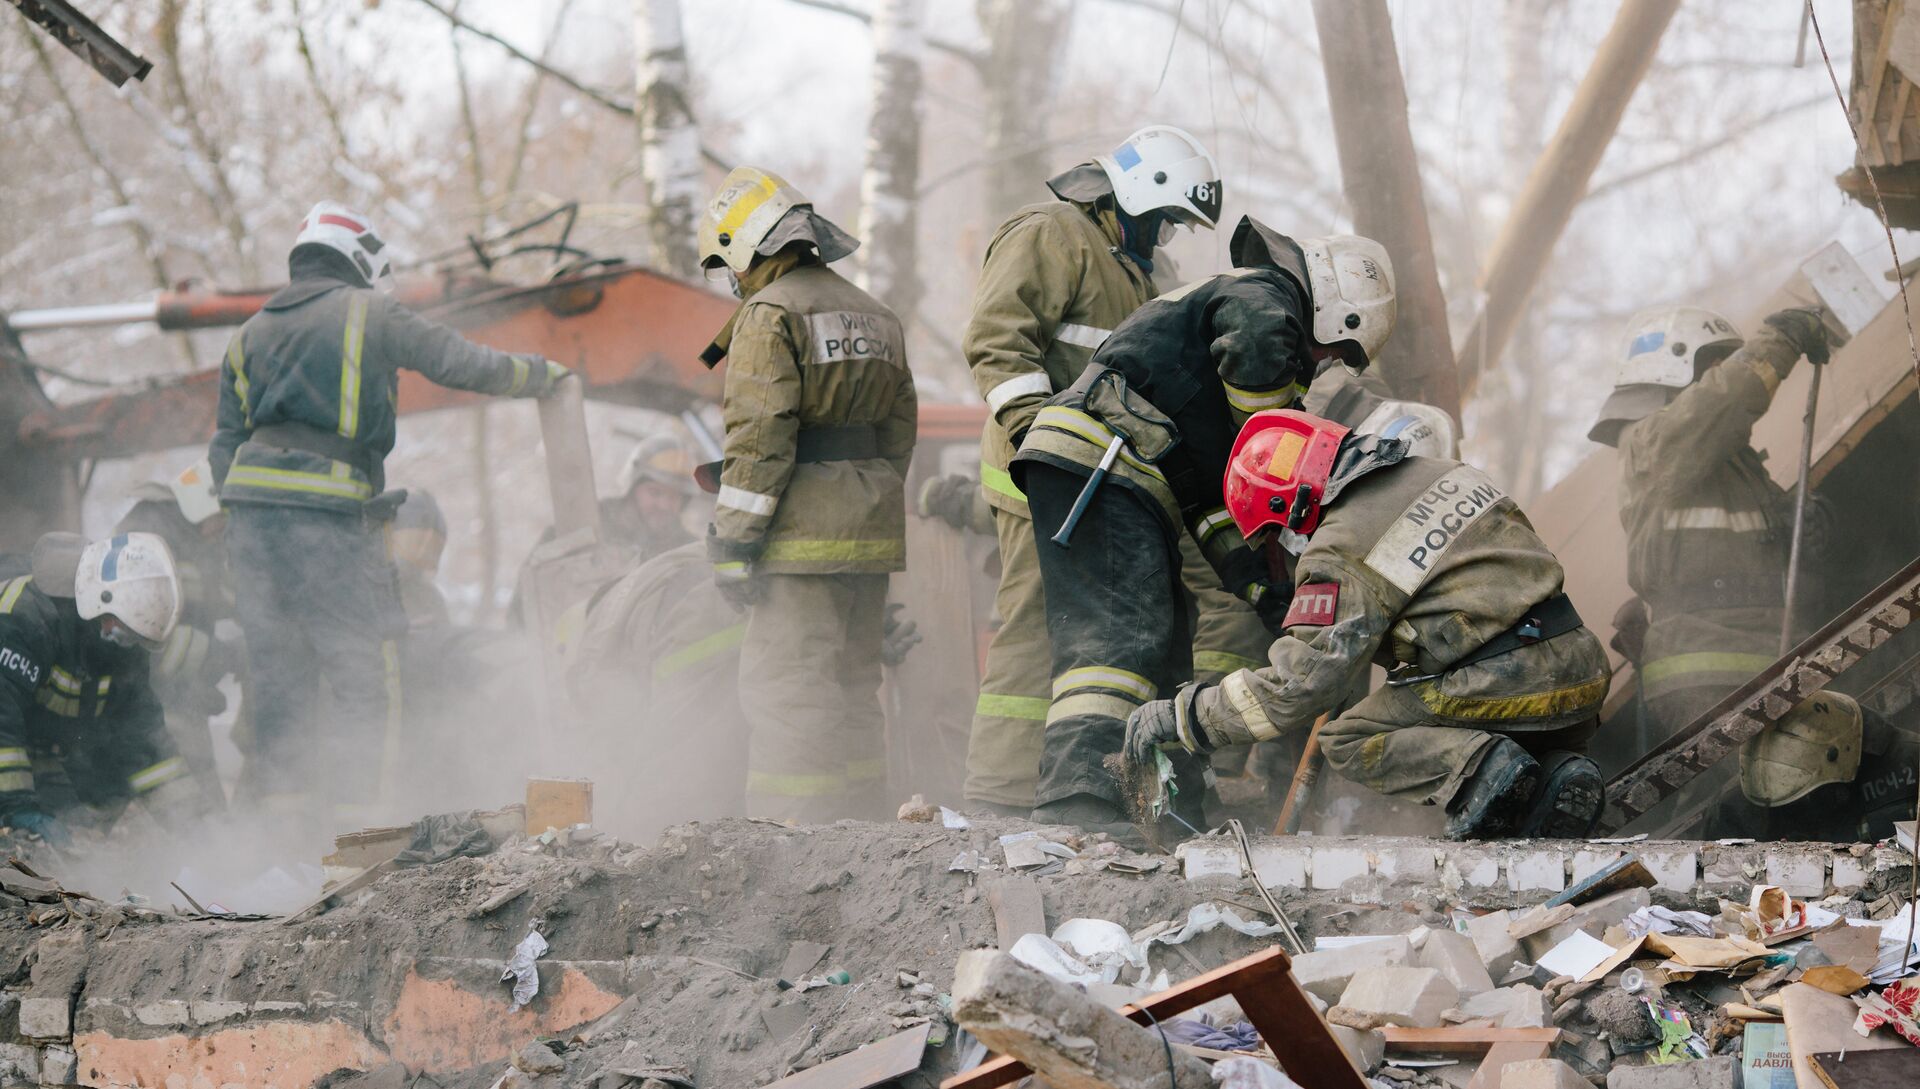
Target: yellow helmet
(1818, 742)
(751, 214)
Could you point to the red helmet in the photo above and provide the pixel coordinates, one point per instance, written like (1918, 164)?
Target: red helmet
(1277, 476)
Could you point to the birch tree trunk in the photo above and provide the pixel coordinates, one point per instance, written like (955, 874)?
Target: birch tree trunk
(669, 139)
(889, 219)
(1026, 41)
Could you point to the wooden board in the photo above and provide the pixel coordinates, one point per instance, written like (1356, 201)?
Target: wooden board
(1464, 1040)
(1268, 994)
(1498, 1056)
(1820, 1022)
(1888, 1069)
(1017, 909)
(878, 1062)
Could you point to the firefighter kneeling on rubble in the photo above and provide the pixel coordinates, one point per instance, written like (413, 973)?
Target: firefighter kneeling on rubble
(1426, 566)
(79, 723)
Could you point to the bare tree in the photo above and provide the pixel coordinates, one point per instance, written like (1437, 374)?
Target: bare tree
(889, 219)
(1027, 42)
(669, 139)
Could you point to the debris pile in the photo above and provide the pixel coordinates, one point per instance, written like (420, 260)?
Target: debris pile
(742, 952)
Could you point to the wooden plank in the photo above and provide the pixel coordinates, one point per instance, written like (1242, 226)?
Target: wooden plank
(1891, 1069)
(1017, 910)
(878, 1062)
(1803, 671)
(1499, 1055)
(352, 884)
(1266, 981)
(1464, 1040)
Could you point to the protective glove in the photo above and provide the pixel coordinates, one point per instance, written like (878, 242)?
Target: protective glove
(1167, 724)
(555, 372)
(1805, 329)
(1270, 603)
(733, 571)
(950, 499)
(896, 637)
(25, 815)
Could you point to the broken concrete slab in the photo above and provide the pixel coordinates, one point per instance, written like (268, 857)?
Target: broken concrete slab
(1498, 950)
(46, 1018)
(1366, 1047)
(1542, 1074)
(1066, 1038)
(1402, 995)
(1455, 956)
(1326, 972)
(1518, 1006)
(1714, 1072)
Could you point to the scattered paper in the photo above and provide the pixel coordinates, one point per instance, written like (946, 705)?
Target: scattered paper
(1026, 850)
(1044, 955)
(1579, 954)
(1658, 920)
(520, 968)
(955, 821)
(965, 862)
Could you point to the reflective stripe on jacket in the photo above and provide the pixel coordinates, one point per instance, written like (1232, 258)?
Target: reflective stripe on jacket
(1707, 528)
(1419, 563)
(810, 351)
(64, 688)
(1053, 288)
(326, 356)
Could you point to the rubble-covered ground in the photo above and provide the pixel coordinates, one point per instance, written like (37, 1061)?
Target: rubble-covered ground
(665, 958)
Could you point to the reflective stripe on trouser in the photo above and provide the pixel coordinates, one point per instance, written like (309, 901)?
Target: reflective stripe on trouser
(1227, 635)
(1003, 747)
(1420, 742)
(316, 594)
(810, 691)
(1721, 671)
(1117, 619)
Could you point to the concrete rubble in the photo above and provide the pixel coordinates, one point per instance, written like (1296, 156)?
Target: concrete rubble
(668, 964)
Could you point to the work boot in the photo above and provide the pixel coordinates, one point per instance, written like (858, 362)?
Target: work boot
(1570, 799)
(1493, 802)
(1091, 813)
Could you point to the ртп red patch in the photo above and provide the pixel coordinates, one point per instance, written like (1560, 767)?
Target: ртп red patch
(1315, 603)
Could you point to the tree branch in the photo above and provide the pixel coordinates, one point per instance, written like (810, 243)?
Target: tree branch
(224, 204)
(523, 134)
(142, 237)
(1693, 154)
(475, 167)
(851, 11)
(602, 97)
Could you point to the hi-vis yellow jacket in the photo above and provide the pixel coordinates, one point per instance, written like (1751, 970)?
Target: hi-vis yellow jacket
(821, 415)
(1054, 286)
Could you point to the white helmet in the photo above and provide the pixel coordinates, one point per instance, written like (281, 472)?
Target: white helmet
(1351, 279)
(340, 228)
(130, 578)
(1164, 167)
(756, 212)
(661, 459)
(1427, 428)
(1666, 350)
(1347, 278)
(193, 491)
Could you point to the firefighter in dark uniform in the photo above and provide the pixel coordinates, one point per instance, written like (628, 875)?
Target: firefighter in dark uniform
(187, 671)
(79, 723)
(1159, 406)
(306, 419)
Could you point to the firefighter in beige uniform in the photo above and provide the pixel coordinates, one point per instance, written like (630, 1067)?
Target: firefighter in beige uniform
(811, 517)
(1708, 532)
(1424, 564)
(1058, 277)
